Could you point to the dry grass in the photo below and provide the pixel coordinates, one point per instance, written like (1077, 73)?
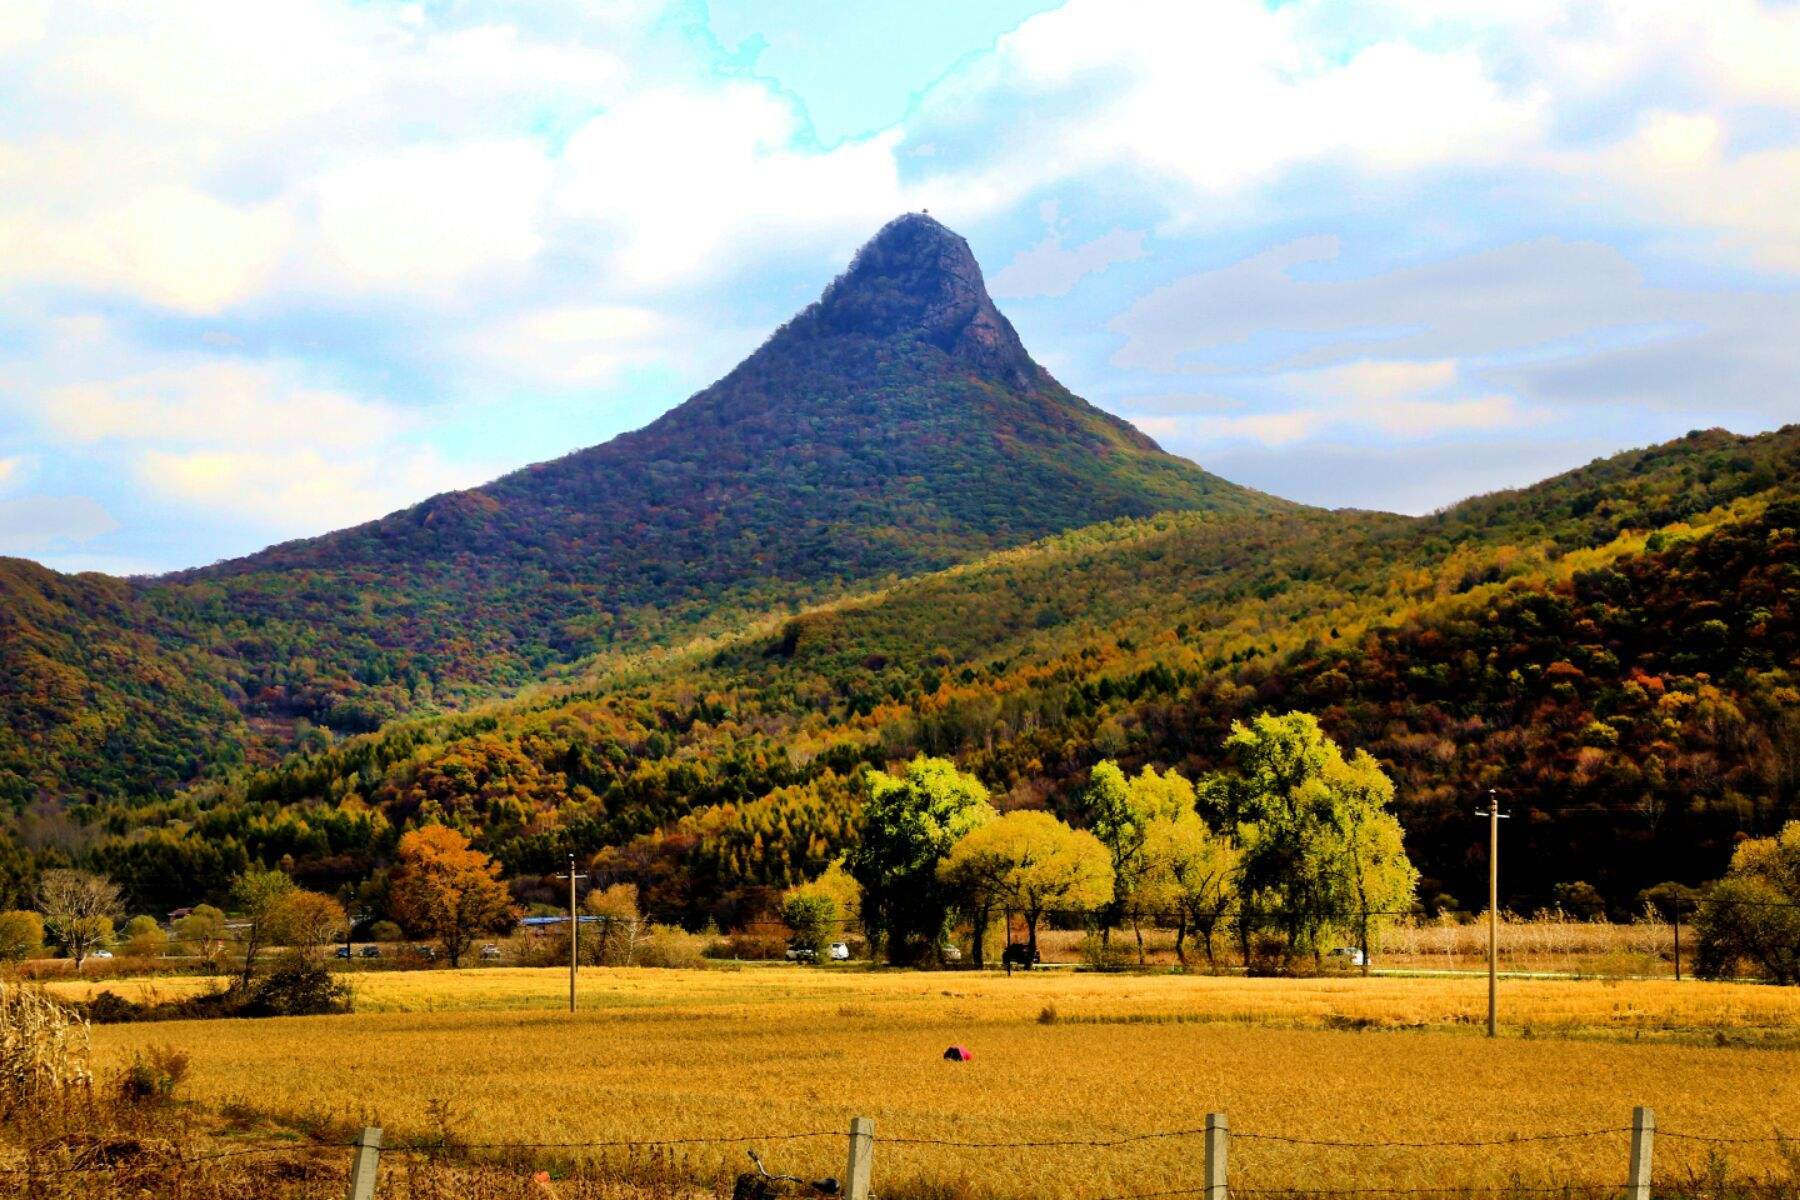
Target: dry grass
(476, 1056)
(1549, 945)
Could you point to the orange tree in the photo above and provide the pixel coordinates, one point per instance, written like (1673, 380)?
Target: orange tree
(447, 890)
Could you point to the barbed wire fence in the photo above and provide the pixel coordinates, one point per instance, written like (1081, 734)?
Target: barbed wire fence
(543, 1159)
(1634, 1181)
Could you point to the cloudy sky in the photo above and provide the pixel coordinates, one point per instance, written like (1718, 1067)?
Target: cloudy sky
(267, 270)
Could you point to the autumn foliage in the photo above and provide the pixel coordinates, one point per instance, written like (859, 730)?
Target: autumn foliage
(444, 889)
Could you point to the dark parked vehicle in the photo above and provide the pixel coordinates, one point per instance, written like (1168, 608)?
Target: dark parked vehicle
(371, 951)
(1019, 954)
(343, 952)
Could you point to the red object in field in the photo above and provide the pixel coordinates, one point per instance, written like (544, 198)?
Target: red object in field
(959, 1054)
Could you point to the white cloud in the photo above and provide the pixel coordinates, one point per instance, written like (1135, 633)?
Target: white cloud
(1052, 268)
(301, 490)
(32, 524)
(1551, 322)
(429, 218)
(22, 22)
(684, 176)
(575, 345)
(169, 245)
(1405, 401)
(1680, 168)
(11, 468)
(254, 440)
(1228, 96)
(217, 403)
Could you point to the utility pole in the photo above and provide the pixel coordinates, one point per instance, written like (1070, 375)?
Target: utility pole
(574, 930)
(1493, 815)
(1677, 907)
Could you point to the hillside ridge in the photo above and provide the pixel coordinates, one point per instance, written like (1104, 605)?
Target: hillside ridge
(894, 427)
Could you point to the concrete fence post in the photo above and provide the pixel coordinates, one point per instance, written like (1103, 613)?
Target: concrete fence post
(365, 1164)
(862, 1154)
(1643, 1137)
(1216, 1136)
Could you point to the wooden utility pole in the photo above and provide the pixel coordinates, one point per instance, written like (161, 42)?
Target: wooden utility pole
(1677, 907)
(574, 930)
(1493, 815)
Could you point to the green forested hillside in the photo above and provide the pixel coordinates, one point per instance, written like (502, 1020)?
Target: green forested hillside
(895, 427)
(1615, 650)
(98, 688)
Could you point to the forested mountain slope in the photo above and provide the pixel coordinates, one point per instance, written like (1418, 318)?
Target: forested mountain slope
(894, 427)
(1614, 649)
(95, 687)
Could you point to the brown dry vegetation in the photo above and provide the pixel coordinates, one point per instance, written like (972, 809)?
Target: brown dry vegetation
(480, 1057)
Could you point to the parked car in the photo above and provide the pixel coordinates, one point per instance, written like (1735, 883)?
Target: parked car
(101, 954)
(343, 952)
(427, 953)
(803, 954)
(371, 951)
(840, 952)
(949, 953)
(490, 951)
(1349, 955)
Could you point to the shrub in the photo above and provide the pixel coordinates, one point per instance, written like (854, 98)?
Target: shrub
(142, 937)
(43, 1048)
(667, 946)
(21, 935)
(385, 931)
(752, 946)
(1098, 954)
(153, 1075)
(299, 986)
(1751, 915)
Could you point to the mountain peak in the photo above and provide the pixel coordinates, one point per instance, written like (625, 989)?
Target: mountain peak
(917, 278)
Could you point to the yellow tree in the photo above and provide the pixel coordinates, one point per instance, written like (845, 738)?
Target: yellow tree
(1190, 871)
(444, 888)
(1039, 865)
(1120, 811)
(307, 921)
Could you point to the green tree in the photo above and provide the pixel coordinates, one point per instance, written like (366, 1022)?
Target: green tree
(1319, 848)
(143, 937)
(202, 933)
(1753, 914)
(1120, 812)
(258, 895)
(813, 917)
(1373, 864)
(1042, 866)
(21, 935)
(79, 909)
(1190, 871)
(909, 823)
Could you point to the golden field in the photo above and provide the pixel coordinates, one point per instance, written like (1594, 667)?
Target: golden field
(776, 1050)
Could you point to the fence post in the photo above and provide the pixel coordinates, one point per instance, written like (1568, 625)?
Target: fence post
(1216, 1132)
(363, 1166)
(1643, 1135)
(862, 1152)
